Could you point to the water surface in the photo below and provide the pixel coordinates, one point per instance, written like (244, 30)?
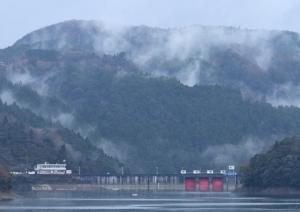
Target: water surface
(175, 201)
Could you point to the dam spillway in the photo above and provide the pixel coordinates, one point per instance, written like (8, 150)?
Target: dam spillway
(189, 183)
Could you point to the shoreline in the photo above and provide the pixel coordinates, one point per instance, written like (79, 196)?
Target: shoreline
(7, 195)
(283, 191)
(73, 187)
(106, 187)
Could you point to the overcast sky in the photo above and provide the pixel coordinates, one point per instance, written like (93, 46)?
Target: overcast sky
(18, 17)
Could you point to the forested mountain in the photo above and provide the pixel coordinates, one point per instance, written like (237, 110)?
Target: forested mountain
(27, 139)
(132, 115)
(192, 97)
(277, 168)
(263, 64)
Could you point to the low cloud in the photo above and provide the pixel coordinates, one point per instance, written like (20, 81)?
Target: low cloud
(118, 151)
(65, 119)
(7, 97)
(287, 94)
(223, 155)
(38, 84)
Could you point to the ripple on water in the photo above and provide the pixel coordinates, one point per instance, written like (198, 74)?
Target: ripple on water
(153, 202)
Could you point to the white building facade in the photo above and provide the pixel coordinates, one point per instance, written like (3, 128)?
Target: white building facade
(49, 169)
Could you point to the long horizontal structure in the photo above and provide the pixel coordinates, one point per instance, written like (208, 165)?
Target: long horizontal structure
(194, 180)
(200, 182)
(188, 180)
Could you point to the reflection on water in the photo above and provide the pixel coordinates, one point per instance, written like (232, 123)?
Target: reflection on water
(176, 201)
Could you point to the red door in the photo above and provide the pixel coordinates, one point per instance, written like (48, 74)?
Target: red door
(190, 184)
(204, 184)
(217, 184)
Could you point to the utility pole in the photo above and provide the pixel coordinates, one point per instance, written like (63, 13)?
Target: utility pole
(122, 175)
(148, 183)
(156, 171)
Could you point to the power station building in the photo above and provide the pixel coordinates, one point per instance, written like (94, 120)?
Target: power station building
(52, 169)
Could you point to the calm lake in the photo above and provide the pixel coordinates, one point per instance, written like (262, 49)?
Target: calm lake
(175, 201)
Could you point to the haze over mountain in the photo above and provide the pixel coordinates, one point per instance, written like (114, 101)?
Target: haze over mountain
(276, 168)
(263, 64)
(175, 97)
(26, 139)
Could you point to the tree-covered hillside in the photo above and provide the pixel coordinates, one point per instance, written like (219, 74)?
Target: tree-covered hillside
(143, 120)
(263, 64)
(152, 97)
(26, 139)
(5, 179)
(164, 122)
(277, 168)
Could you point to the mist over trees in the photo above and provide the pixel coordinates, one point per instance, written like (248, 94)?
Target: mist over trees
(148, 96)
(27, 139)
(277, 168)
(123, 111)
